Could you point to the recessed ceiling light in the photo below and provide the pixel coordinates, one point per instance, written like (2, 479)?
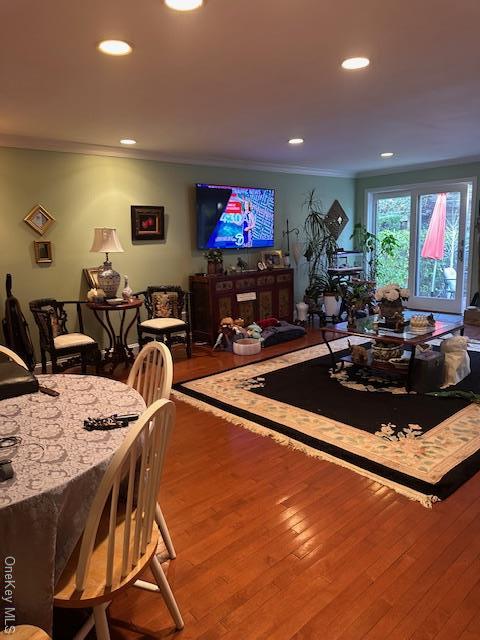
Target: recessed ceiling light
(296, 141)
(128, 141)
(387, 154)
(355, 63)
(115, 47)
(184, 5)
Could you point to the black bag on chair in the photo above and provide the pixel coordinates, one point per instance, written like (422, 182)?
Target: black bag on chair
(15, 328)
(16, 381)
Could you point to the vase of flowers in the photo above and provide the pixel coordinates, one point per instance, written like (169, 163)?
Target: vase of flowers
(214, 261)
(390, 299)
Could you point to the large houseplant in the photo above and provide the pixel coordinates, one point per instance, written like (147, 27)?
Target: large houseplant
(333, 288)
(320, 248)
(373, 247)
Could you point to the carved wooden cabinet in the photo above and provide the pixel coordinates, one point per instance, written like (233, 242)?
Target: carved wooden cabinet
(251, 295)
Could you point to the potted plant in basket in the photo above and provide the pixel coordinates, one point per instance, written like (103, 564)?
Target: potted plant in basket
(214, 261)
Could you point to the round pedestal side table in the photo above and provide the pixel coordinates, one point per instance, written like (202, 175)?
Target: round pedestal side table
(118, 350)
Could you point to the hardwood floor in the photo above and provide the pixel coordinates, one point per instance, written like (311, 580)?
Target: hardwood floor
(272, 544)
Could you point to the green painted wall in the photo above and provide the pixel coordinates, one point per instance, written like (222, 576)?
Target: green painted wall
(452, 172)
(84, 191)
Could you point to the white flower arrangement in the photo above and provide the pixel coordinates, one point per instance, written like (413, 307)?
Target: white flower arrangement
(391, 293)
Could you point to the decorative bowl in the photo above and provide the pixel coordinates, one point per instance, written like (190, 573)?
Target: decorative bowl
(385, 352)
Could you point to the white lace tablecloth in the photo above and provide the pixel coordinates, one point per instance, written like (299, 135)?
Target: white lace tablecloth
(58, 467)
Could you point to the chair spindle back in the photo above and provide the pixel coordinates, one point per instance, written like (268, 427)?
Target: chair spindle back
(146, 444)
(152, 372)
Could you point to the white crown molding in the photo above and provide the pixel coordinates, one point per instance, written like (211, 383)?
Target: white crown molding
(417, 167)
(41, 144)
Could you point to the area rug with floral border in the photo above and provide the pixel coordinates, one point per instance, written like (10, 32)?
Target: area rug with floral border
(422, 446)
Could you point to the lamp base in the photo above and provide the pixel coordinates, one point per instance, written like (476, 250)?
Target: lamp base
(108, 280)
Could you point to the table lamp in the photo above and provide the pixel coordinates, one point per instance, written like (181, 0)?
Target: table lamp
(106, 241)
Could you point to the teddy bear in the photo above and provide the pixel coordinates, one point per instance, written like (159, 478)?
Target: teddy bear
(254, 331)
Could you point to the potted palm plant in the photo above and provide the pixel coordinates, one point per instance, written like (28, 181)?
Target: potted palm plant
(333, 289)
(320, 248)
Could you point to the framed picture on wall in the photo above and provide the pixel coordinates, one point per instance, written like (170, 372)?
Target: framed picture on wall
(91, 276)
(39, 219)
(148, 223)
(43, 251)
(273, 259)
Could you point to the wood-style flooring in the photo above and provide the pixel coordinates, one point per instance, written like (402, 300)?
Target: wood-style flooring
(272, 544)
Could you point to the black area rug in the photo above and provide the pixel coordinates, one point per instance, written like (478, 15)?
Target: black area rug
(422, 446)
(308, 385)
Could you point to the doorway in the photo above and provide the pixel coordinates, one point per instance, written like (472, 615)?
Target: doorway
(432, 226)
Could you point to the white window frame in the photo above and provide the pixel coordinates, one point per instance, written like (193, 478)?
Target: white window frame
(412, 189)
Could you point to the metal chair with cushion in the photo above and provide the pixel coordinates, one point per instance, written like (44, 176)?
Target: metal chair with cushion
(51, 319)
(168, 317)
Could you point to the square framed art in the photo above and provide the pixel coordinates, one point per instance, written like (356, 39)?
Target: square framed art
(148, 223)
(39, 219)
(43, 251)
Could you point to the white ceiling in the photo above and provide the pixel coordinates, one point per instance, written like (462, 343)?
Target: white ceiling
(233, 81)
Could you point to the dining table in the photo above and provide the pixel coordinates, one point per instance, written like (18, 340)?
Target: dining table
(58, 466)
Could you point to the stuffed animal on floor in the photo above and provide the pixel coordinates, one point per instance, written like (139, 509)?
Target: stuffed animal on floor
(457, 360)
(254, 331)
(359, 353)
(226, 334)
(239, 328)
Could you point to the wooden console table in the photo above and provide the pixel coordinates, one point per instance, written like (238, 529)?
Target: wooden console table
(251, 295)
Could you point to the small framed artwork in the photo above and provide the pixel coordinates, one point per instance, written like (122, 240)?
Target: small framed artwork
(148, 223)
(39, 219)
(91, 276)
(43, 251)
(273, 259)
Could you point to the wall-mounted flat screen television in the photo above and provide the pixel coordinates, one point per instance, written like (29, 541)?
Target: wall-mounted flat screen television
(234, 217)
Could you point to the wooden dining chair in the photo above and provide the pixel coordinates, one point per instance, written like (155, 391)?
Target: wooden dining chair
(51, 318)
(12, 356)
(168, 310)
(152, 376)
(120, 537)
(26, 632)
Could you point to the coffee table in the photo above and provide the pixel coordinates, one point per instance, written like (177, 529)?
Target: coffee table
(364, 328)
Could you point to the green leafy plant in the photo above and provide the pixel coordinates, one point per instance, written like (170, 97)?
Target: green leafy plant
(214, 255)
(320, 246)
(373, 247)
(358, 294)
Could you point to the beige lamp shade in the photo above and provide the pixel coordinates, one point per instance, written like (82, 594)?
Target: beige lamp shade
(106, 241)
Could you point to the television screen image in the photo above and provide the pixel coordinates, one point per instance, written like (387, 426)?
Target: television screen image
(234, 217)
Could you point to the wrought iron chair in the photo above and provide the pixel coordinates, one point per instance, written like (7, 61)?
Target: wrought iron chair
(168, 309)
(51, 319)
